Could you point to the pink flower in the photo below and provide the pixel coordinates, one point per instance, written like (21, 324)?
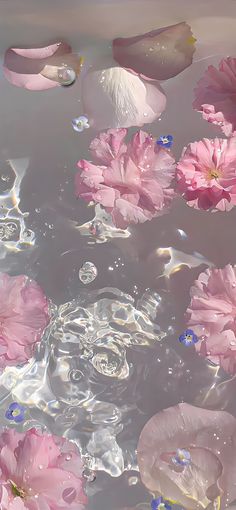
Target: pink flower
(160, 54)
(209, 439)
(40, 68)
(130, 181)
(206, 174)
(212, 315)
(24, 314)
(39, 472)
(116, 98)
(215, 95)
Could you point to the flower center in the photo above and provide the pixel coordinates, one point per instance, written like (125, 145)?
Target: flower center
(17, 491)
(16, 412)
(213, 173)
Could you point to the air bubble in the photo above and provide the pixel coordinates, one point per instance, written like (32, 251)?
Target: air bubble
(87, 273)
(66, 76)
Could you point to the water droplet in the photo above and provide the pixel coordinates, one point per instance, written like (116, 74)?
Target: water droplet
(88, 273)
(233, 285)
(75, 375)
(89, 474)
(68, 456)
(40, 466)
(69, 495)
(66, 76)
(145, 114)
(232, 343)
(133, 480)
(96, 227)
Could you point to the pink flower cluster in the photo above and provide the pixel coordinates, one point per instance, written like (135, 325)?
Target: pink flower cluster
(39, 472)
(24, 314)
(131, 181)
(206, 174)
(215, 95)
(212, 316)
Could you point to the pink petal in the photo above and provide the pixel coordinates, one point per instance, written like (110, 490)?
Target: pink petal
(23, 66)
(160, 54)
(181, 427)
(126, 212)
(109, 145)
(115, 98)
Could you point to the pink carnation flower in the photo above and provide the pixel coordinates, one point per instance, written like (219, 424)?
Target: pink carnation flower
(39, 472)
(24, 314)
(206, 439)
(206, 174)
(212, 316)
(215, 95)
(130, 181)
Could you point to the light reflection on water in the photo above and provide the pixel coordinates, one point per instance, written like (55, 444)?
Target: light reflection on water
(111, 358)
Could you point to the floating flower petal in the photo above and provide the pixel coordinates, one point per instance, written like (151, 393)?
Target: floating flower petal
(215, 95)
(188, 338)
(206, 174)
(24, 314)
(116, 98)
(42, 68)
(40, 471)
(160, 54)
(212, 313)
(133, 183)
(209, 437)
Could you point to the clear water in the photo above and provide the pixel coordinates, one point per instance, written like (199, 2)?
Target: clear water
(110, 359)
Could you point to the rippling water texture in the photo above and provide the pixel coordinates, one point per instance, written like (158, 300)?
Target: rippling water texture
(111, 357)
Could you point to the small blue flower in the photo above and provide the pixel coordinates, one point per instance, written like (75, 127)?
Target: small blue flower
(165, 141)
(182, 458)
(15, 412)
(80, 123)
(160, 504)
(188, 337)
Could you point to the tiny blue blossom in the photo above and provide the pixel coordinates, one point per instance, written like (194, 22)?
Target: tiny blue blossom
(165, 141)
(80, 123)
(15, 412)
(188, 337)
(160, 504)
(182, 458)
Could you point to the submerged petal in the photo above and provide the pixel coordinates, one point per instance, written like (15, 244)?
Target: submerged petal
(116, 98)
(160, 54)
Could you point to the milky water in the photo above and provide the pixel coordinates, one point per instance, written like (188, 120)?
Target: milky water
(110, 358)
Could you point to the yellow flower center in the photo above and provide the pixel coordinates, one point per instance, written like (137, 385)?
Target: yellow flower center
(17, 491)
(191, 40)
(16, 412)
(213, 173)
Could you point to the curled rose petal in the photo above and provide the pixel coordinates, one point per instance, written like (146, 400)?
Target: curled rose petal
(206, 174)
(215, 95)
(208, 438)
(160, 54)
(116, 98)
(39, 68)
(133, 180)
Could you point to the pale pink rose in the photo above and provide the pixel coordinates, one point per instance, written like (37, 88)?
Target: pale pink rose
(208, 440)
(39, 68)
(212, 316)
(24, 314)
(116, 98)
(215, 95)
(132, 182)
(206, 174)
(160, 54)
(39, 472)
